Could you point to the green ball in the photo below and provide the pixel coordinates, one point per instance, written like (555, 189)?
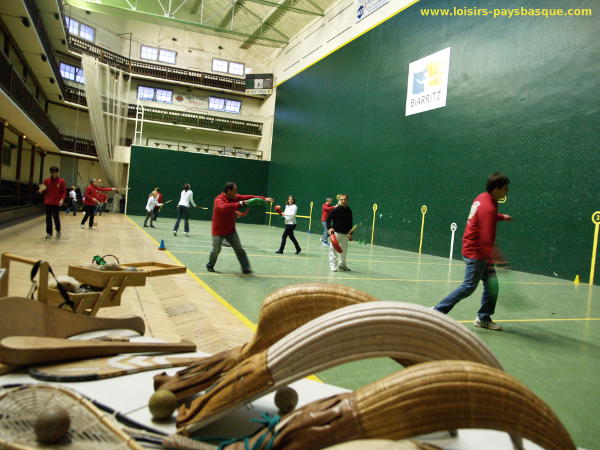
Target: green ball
(162, 404)
(286, 399)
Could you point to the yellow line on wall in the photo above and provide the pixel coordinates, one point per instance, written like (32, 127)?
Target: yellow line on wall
(347, 42)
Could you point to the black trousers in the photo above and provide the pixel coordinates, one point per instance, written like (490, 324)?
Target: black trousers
(52, 212)
(89, 212)
(289, 231)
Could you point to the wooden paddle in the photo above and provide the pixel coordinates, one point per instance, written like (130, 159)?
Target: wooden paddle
(21, 316)
(22, 350)
(115, 366)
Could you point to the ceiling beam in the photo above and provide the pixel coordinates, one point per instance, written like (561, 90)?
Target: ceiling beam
(287, 7)
(146, 16)
(229, 17)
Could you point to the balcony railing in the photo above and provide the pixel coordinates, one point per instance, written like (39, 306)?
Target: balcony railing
(198, 120)
(155, 70)
(78, 145)
(75, 95)
(41, 32)
(17, 89)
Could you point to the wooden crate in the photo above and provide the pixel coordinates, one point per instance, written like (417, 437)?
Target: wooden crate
(99, 278)
(86, 302)
(156, 269)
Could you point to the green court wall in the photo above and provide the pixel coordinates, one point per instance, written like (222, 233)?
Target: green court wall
(523, 98)
(207, 174)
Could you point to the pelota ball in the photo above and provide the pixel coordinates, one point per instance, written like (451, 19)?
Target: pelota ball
(286, 399)
(52, 425)
(162, 404)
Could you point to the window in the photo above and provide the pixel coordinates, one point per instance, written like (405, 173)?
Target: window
(155, 94)
(80, 29)
(72, 73)
(167, 56)
(224, 104)
(234, 68)
(150, 53)
(158, 54)
(164, 95)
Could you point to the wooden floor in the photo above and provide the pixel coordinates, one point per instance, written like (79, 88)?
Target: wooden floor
(173, 307)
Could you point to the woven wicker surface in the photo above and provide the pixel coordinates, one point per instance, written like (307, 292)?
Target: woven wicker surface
(425, 398)
(90, 428)
(282, 312)
(382, 444)
(375, 329)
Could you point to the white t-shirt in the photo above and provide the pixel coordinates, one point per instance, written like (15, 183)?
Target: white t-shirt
(152, 202)
(187, 197)
(73, 195)
(290, 214)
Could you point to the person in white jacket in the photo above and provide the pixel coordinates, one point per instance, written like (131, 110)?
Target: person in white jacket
(150, 205)
(289, 214)
(183, 209)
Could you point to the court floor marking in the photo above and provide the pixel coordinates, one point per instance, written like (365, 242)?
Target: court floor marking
(210, 290)
(338, 277)
(214, 294)
(576, 319)
(324, 258)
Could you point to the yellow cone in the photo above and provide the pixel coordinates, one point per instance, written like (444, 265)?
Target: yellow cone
(577, 280)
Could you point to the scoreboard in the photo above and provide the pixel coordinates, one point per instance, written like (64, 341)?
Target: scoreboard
(259, 83)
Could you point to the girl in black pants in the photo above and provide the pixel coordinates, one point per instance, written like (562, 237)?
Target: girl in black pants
(290, 224)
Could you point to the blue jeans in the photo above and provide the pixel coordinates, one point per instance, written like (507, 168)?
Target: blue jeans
(325, 238)
(182, 212)
(475, 271)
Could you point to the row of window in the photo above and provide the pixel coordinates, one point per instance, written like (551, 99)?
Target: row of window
(81, 30)
(72, 73)
(166, 96)
(149, 53)
(158, 54)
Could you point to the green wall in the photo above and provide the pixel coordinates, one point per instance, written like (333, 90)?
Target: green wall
(207, 175)
(523, 98)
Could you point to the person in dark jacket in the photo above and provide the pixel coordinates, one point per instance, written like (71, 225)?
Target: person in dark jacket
(339, 221)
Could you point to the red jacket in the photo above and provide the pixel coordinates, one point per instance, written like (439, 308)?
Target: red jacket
(91, 193)
(325, 210)
(480, 234)
(223, 219)
(56, 190)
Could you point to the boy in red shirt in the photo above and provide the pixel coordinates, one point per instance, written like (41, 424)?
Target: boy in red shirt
(91, 198)
(325, 210)
(223, 225)
(478, 249)
(54, 195)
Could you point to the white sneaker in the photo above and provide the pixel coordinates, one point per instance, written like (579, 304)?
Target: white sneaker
(82, 226)
(490, 325)
(174, 233)
(324, 244)
(58, 235)
(185, 233)
(48, 236)
(333, 269)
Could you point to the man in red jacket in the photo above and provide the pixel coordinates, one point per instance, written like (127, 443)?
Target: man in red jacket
(54, 195)
(225, 207)
(478, 251)
(91, 198)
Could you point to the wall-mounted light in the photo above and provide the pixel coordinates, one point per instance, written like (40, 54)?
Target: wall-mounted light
(56, 16)
(51, 80)
(44, 58)
(25, 22)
